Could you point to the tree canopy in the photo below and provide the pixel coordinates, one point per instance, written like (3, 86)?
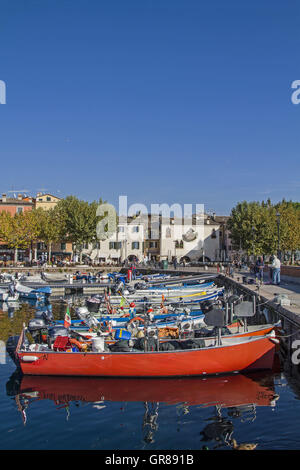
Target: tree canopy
(254, 227)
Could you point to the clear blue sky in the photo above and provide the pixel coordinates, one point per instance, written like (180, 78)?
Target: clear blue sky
(165, 100)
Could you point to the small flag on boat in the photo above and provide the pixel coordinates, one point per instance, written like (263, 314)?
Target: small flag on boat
(67, 322)
(122, 302)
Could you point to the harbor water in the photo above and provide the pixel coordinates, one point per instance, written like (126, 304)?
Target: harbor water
(213, 413)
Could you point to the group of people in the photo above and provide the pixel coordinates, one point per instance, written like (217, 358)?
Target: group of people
(274, 270)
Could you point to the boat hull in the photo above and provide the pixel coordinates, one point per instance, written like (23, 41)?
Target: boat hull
(248, 354)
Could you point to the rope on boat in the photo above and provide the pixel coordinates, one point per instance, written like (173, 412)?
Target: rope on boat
(288, 336)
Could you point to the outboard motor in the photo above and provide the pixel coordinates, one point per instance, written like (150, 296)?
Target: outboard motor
(91, 321)
(120, 287)
(36, 327)
(206, 306)
(82, 312)
(11, 346)
(47, 316)
(186, 311)
(84, 315)
(139, 286)
(56, 331)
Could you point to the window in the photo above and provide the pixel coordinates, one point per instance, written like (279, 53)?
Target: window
(48, 198)
(135, 245)
(121, 229)
(114, 245)
(136, 229)
(62, 246)
(19, 210)
(179, 244)
(153, 244)
(213, 234)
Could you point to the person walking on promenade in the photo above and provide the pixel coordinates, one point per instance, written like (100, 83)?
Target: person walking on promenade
(276, 270)
(260, 269)
(175, 262)
(133, 269)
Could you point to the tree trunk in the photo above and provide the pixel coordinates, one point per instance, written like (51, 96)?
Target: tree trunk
(292, 257)
(16, 255)
(30, 254)
(49, 251)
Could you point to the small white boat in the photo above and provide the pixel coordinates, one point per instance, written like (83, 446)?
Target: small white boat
(6, 277)
(54, 277)
(6, 296)
(34, 278)
(29, 293)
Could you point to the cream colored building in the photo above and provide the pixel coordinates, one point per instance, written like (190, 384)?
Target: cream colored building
(60, 250)
(126, 244)
(46, 201)
(196, 239)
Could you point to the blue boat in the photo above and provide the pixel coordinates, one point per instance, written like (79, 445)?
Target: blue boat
(205, 285)
(39, 293)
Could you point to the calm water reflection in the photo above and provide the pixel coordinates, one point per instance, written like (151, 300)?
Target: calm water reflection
(92, 413)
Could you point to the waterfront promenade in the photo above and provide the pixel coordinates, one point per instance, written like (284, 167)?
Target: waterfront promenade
(289, 285)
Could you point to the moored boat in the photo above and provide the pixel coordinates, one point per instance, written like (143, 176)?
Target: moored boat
(7, 296)
(30, 293)
(232, 355)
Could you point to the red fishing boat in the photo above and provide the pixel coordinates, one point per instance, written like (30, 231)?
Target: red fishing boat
(211, 357)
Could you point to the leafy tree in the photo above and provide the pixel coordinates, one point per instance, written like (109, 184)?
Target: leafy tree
(18, 231)
(289, 228)
(79, 221)
(253, 227)
(51, 227)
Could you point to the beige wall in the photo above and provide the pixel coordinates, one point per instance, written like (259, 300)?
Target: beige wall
(43, 203)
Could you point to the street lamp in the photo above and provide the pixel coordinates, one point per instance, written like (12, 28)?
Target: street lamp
(278, 234)
(253, 233)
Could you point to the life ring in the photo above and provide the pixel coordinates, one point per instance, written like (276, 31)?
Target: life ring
(125, 315)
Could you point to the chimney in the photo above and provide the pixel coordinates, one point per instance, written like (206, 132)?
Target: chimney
(3, 197)
(20, 197)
